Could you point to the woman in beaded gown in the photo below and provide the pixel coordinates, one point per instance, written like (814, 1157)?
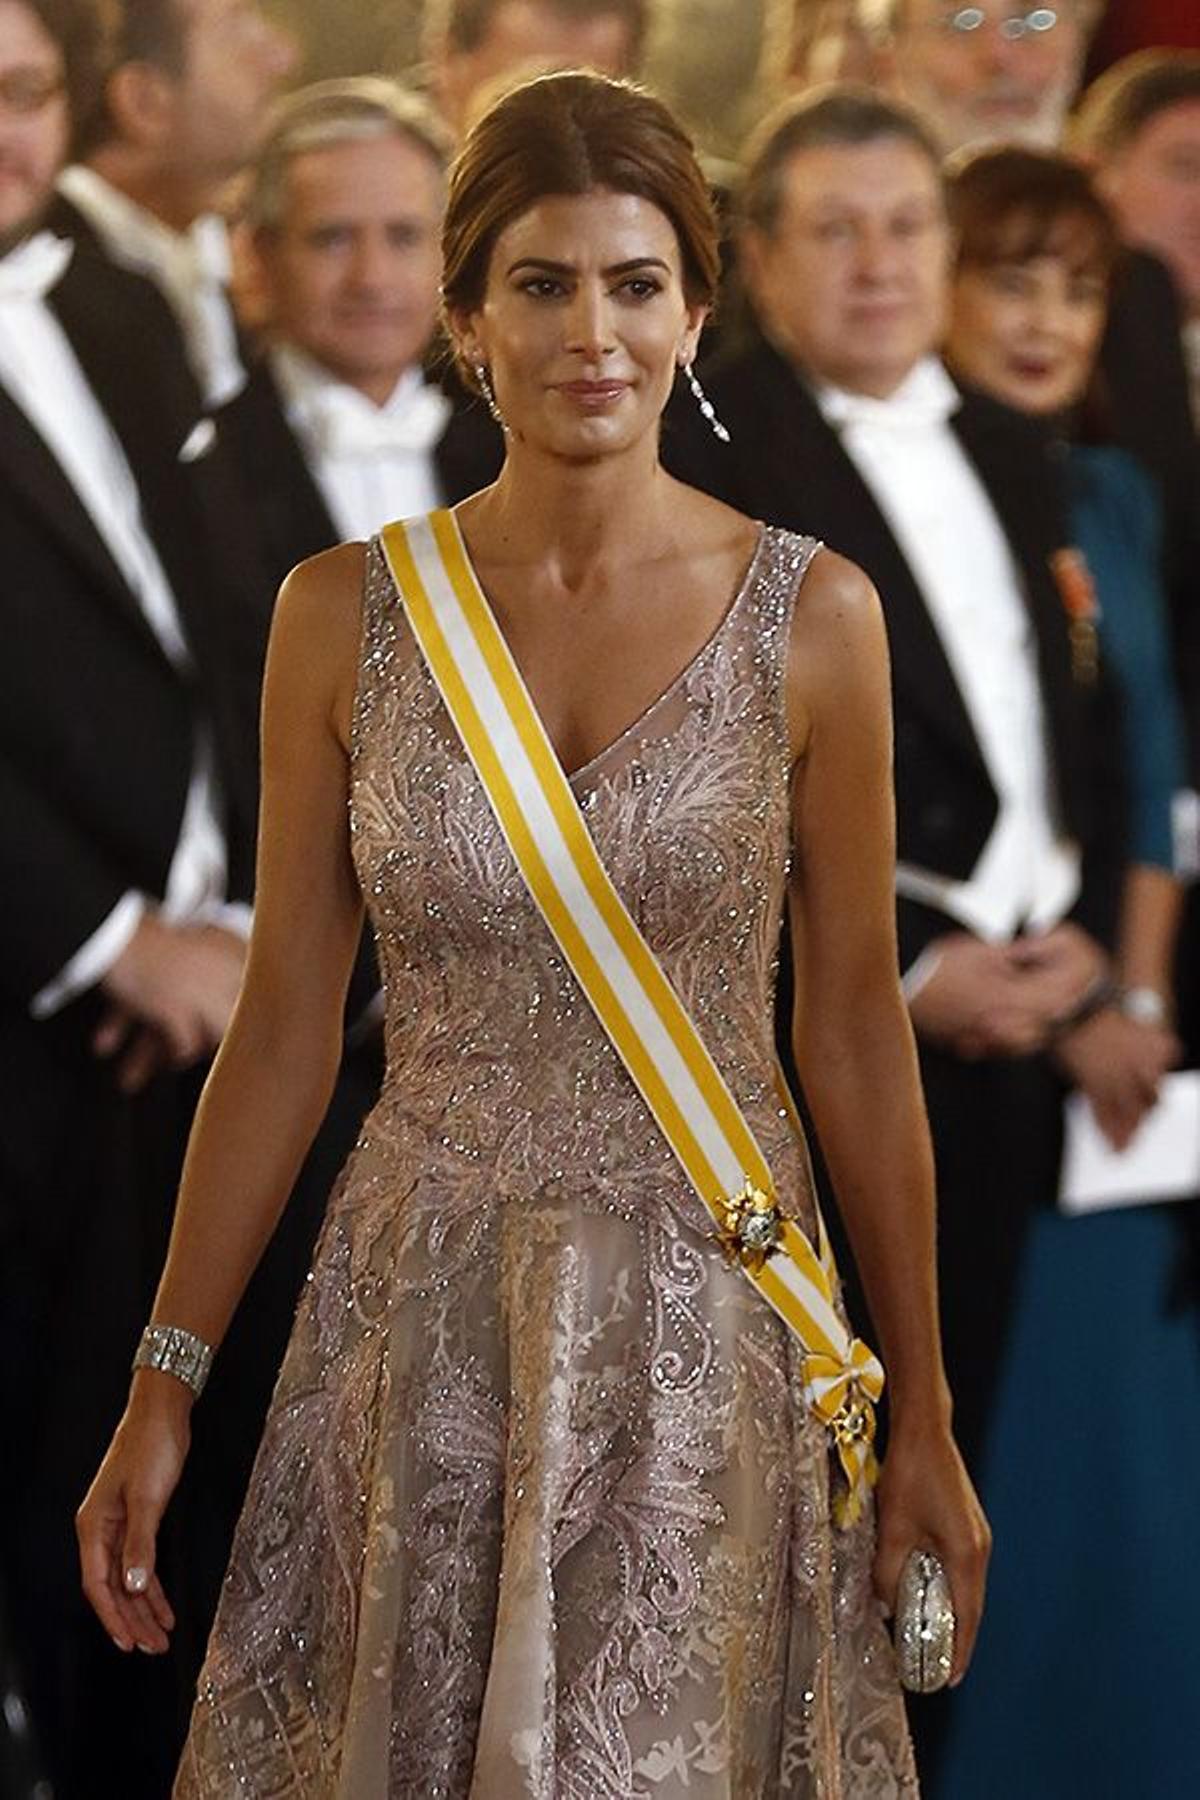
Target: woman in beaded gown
(541, 1509)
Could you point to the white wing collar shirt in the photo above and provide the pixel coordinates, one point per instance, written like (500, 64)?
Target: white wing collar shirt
(39, 369)
(190, 268)
(946, 527)
(371, 463)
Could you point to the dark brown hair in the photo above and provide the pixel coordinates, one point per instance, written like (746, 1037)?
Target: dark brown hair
(841, 115)
(85, 32)
(571, 134)
(1010, 205)
(150, 31)
(1122, 102)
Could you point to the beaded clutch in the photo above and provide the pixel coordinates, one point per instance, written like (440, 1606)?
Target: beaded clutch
(924, 1624)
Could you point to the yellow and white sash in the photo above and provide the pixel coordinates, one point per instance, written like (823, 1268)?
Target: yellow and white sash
(652, 1033)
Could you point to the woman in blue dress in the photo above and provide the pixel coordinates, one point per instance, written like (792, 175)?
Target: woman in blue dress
(1086, 1681)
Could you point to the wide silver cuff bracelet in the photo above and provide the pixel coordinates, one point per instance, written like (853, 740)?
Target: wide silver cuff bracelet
(175, 1352)
(924, 1627)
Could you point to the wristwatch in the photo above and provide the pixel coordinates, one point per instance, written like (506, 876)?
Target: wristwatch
(1144, 1005)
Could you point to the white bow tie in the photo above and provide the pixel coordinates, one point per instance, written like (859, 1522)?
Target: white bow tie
(927, 397)
(342, 423)
(32, 269)
(193, 261)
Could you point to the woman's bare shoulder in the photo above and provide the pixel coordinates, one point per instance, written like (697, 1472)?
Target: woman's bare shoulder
(836, 588)
(318, 611)
(837, 655)
(837, 609)
(317, 628)
(324, 593)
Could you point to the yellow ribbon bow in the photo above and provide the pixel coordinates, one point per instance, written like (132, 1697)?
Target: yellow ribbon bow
(844, 1395)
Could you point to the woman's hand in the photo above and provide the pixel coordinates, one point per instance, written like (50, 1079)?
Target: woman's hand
(1118, 1063)
(117, 1525)
(926, 1502)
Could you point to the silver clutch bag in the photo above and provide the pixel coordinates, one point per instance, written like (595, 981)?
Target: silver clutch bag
(924, 1625)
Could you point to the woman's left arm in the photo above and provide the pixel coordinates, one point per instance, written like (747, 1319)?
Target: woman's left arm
(857, 1060)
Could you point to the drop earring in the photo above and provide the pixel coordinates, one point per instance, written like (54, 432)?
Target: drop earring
(489, 394)
(707, 409)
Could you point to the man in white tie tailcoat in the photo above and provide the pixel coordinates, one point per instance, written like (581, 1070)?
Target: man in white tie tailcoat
(344, 424)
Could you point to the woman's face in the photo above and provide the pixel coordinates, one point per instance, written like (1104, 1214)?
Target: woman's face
(1028, 331)
(583, 322)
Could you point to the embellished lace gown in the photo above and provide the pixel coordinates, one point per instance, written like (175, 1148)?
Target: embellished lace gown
(540, 1513)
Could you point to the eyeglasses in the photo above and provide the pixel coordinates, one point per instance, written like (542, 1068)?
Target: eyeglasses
(24, 92)
(1035, 23)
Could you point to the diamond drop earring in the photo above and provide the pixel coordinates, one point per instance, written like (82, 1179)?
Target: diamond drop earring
(489, 394)
(707, 409)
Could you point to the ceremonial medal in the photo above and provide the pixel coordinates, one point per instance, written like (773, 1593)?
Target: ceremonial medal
(1077, 592)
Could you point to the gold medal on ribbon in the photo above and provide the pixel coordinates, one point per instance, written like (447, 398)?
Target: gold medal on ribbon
(1077, 591)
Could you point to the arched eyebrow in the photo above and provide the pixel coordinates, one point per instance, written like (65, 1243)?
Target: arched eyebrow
(544, 266)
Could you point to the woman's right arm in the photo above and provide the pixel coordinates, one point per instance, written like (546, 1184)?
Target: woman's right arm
(271, 1081)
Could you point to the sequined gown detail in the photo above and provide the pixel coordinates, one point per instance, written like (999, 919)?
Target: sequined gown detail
(539, 1512)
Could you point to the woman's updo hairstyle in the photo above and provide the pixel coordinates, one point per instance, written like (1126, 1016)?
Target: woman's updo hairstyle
(571, 134)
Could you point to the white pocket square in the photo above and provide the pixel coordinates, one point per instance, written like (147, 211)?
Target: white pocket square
(199, 441)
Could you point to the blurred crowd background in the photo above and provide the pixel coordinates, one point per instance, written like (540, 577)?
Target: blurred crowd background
(961, 343)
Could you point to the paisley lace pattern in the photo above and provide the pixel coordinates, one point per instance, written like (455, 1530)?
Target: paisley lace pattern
(540, 1513)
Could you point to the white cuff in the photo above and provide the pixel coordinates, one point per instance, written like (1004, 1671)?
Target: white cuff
(92, 961)
(1185, 832)
(228, 915)
(920, 972)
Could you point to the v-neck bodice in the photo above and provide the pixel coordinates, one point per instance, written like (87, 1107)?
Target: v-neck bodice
(642, 721)
(688, 806)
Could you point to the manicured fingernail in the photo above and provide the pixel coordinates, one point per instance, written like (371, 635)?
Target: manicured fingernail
(137, 1580)
(122, 1644)
(147, 1649)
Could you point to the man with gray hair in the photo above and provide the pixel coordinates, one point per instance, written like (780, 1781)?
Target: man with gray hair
(1005, 69)
(339, 428)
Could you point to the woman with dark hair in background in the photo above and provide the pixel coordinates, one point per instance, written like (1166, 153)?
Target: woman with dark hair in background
(1092, 1476)
(544, 1504)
